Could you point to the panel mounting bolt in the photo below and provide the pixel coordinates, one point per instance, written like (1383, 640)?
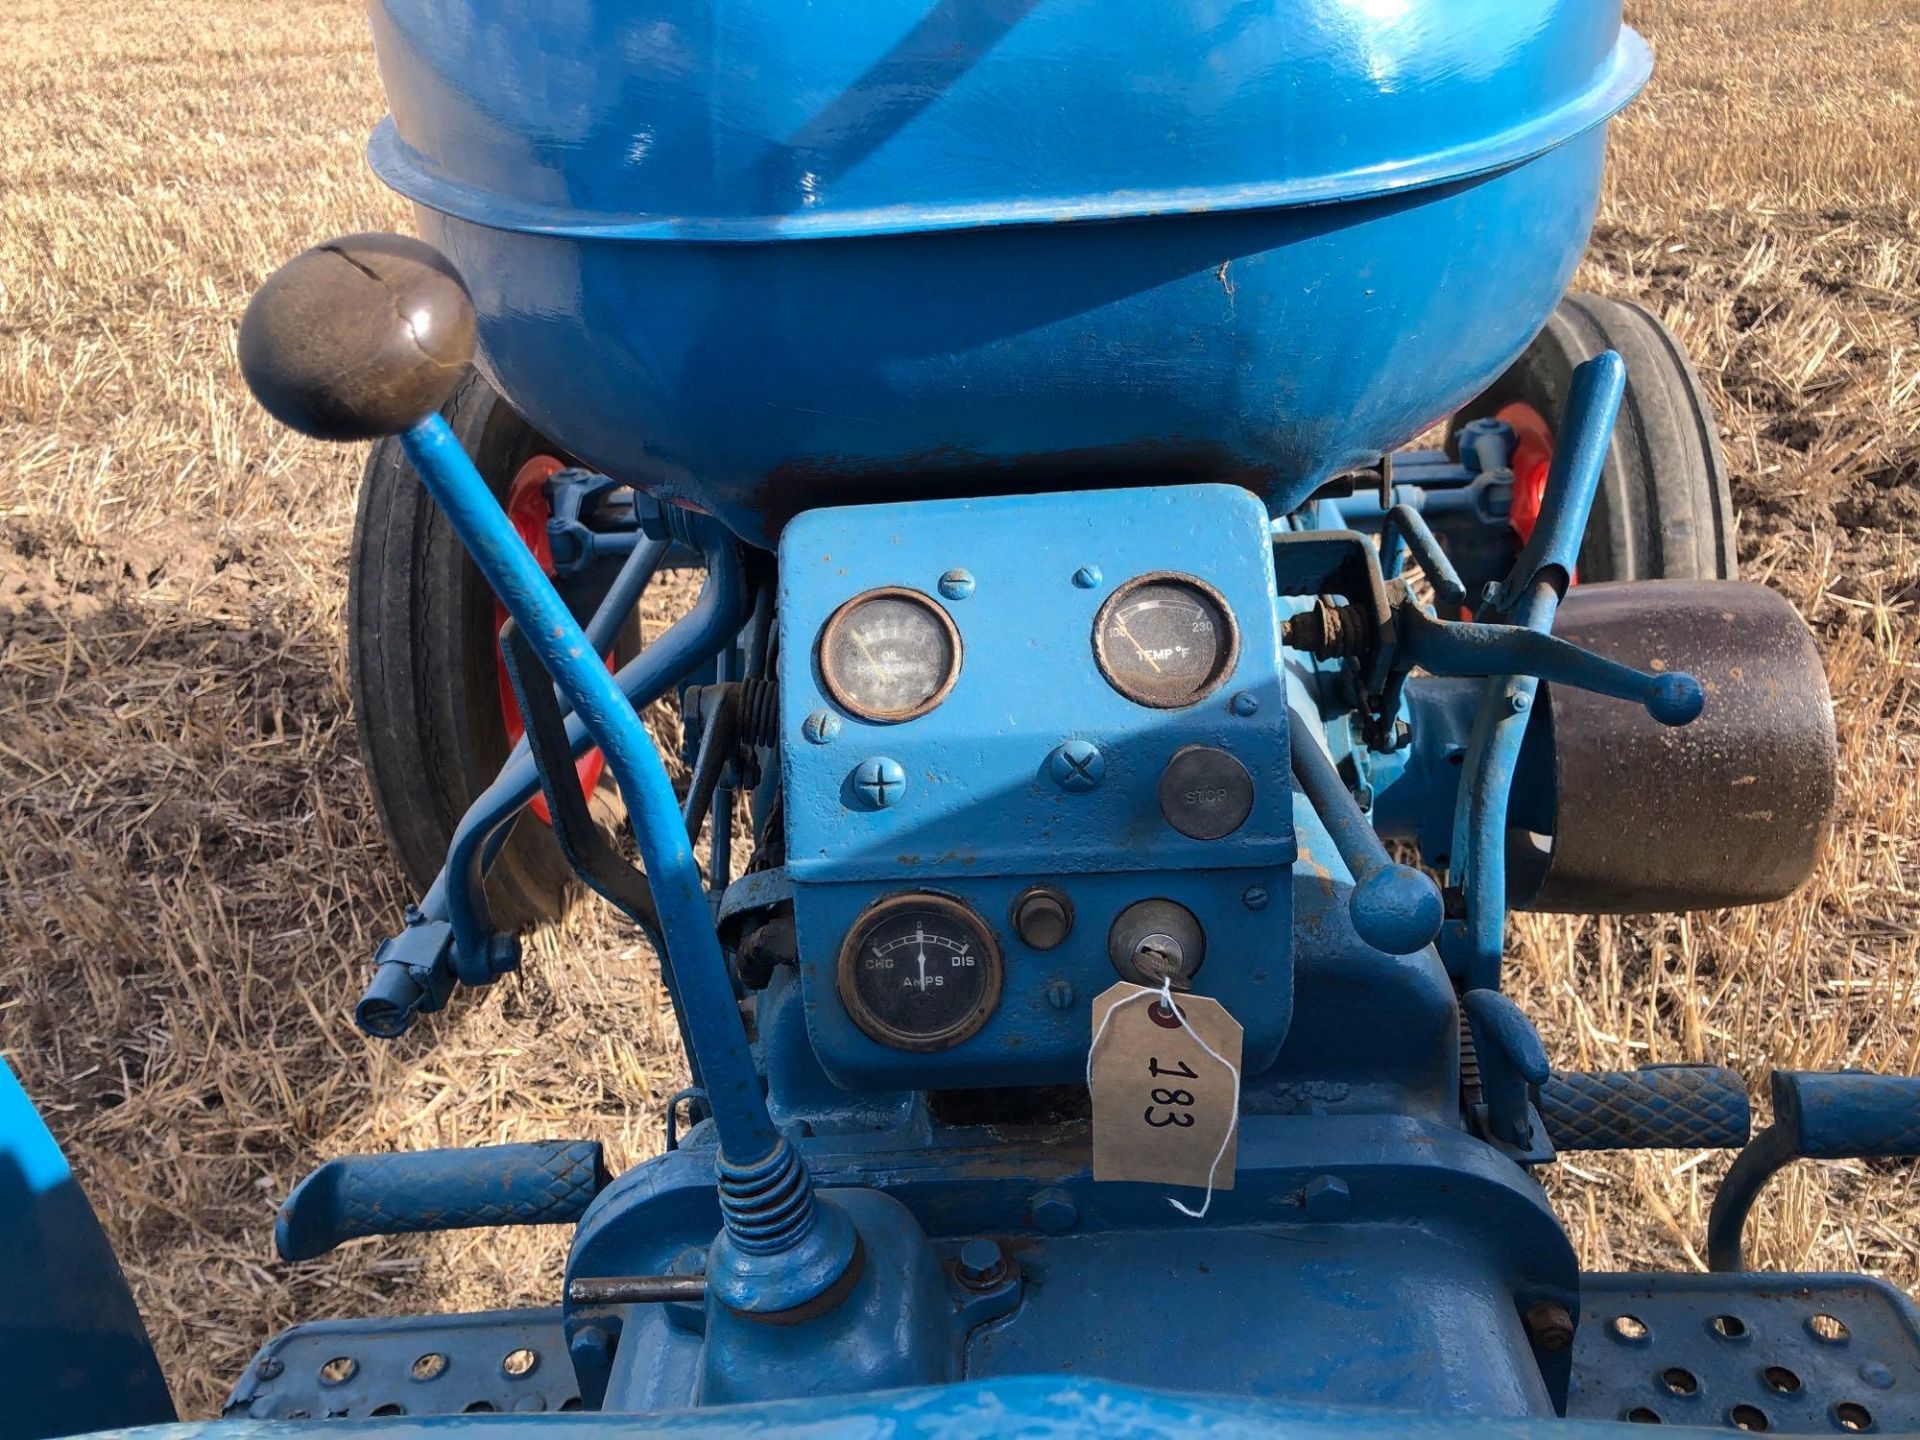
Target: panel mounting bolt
(821, 726)
(1060, 995)
(880, 781)
(1087, 576)
(1254, 897)
(1519, 702)
(957, 584)
(1244, 704)
(1053, 1211)
(1076, 766)
(1550, 1325)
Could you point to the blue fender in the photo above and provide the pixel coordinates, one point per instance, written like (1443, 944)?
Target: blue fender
(74, 1355)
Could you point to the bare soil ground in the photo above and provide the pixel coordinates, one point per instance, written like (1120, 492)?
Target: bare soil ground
(191, 877)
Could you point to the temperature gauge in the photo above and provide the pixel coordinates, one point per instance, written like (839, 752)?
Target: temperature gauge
(889, 654)
(1165, 640)
(919, 972)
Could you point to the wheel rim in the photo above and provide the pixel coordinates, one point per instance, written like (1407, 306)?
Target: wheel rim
(528, 509)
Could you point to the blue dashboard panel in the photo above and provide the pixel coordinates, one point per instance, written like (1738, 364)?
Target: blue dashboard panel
(980, 816)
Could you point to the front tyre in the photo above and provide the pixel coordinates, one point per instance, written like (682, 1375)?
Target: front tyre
(1665, 508)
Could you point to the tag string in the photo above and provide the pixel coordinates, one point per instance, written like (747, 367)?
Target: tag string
(1165, 996)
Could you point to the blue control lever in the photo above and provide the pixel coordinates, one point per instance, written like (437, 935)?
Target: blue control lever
(1453, 648)
(370, 335)
(1393, 907)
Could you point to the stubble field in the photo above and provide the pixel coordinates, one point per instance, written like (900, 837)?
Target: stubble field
(191, 875)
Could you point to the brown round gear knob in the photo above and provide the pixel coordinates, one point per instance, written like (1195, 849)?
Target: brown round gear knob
(360, 337)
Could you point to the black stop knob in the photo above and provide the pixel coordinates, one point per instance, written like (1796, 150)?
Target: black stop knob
(360, 337)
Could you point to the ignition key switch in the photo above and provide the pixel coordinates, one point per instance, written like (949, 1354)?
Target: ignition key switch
(1155, 940)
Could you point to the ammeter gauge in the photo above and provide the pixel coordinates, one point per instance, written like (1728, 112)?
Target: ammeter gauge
(919, 972)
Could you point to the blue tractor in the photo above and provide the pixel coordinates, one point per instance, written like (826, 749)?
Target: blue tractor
(1138, 750)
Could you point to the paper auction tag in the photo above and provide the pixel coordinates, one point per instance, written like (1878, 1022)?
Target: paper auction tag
(1163, 1108)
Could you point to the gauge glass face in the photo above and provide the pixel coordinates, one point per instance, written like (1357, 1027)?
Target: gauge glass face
(889, 655)
(1165, 640)
(920, 972)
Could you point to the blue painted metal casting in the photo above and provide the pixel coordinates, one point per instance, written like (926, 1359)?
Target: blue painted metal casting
(1010, 783)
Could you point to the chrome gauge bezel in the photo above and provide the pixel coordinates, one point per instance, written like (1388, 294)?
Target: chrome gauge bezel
(878, 1030)
(1224, 663)
(823, 648)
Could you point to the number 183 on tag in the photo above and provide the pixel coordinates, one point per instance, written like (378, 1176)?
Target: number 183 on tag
(1163, 1107)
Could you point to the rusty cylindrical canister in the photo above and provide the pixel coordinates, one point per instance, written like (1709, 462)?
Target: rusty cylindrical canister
(1729, 810)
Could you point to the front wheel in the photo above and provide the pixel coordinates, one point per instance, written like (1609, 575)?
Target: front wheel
(1665, 508)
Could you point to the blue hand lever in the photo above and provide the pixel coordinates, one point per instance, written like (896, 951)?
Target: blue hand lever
(1444, 647)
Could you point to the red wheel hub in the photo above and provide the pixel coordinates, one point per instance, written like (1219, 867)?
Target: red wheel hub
(1532, 457)
(529, 511)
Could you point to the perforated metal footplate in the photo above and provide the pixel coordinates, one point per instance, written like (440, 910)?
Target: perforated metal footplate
(1789, 1354)
(498, 1360)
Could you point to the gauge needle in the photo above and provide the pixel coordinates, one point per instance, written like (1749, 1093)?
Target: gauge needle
(872, 659)
(1121, 626)
(921, 937)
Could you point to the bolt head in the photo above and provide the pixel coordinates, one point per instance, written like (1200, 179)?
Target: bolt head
(1060, 995)
(1550, 1324)
(591, 1344)
(981, 1262)
(1327, 1198)
(1053, 1211)
(821, 726)
(957, 584)
(1244, 704)
(1077, 766)
(1087, 576)
(1519, 703)
(268, 1369)
(1254, 897)
(881, 782)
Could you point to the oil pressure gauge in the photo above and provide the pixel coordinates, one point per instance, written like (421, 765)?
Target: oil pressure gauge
(1165, 640)
(890, 654)
(919, 972)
